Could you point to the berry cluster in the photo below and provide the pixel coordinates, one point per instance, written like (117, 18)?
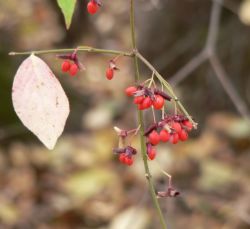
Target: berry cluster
(172, 123)
(172, 129)
(126, 155)
(93, 6)
(70, 64)
(145, 97)
(69, 67)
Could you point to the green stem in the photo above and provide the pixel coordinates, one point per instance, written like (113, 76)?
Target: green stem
(167, 85)
(79, 49)
(135, 54)
(141, 122)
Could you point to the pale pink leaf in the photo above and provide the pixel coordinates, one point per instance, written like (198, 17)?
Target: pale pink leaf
(39, 100)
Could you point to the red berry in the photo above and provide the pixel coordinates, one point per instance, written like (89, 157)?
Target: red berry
(147, 102)
(174, 138)
(130, 90)
(158, 103)
(92, 7)
(109, 73)
(188, 124)
(154, 138)
(122, 157)
(140, 106)
(183, 136)
(176, 126)
(129, 161)
(66, 66)
(138, 99)
(73, 70)
(164, 135)
(152, 154)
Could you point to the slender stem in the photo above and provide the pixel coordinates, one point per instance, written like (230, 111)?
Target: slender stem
(153, 113)
(152, 80)
(167, 85)
(135, 54)
(164, 172)
(136, 57)
(79, 49)
(140, 117)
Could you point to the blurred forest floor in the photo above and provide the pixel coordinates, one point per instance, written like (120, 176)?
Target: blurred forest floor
(81, 184)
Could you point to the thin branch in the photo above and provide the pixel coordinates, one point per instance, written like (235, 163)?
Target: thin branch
(167, 85)
(210, 54)
(194, 63)
(136, 56)
(229, 6)
(209, 47)
(141, 122)
(228, 87)
(214, 26)
(79, 49)
(187, 69)
(176, 50)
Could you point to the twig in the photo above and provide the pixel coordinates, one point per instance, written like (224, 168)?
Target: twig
(228, 5)
(213, 26)
(209, 53)
(79, 49)
(167, 86)
(141, 122)
(153, 113)
(227, 85)
(188, 68)
(180, 47)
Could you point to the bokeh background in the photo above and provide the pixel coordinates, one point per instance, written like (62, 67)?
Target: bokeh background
(80, 184)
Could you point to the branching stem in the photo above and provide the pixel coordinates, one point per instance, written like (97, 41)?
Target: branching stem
(79, 49)
(134, 54)
(136, 57)
(141, 121)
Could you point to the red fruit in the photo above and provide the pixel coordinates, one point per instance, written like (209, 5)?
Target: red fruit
(158, 103)
(129, 161)
(188, 124)
(164, 135)
(122, 157)
(174, 138)
(147, 102)
(109, 73)
(73, 70)
(154, 138)
(176, 126)
(152, 154)
(66, 66)
(183, 136)
(92, 7)
(140, 107)
(130, 91)
(138, 99)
